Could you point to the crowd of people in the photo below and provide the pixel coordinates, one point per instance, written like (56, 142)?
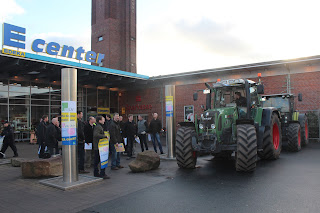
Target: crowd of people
(90, 132)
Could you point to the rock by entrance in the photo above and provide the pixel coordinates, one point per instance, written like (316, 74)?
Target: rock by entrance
(42, 168)
(145, 161)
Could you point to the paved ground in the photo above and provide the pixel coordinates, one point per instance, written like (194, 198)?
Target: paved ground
(290, 184)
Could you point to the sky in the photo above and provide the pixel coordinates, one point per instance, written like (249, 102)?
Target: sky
(175, 36)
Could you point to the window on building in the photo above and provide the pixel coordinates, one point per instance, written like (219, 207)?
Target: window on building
(100, 38)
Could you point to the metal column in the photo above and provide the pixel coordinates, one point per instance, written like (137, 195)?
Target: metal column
(69, 152)
(170, 120)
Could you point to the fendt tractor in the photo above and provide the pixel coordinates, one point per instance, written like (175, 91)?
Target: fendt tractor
(233, 121)
(294, 125)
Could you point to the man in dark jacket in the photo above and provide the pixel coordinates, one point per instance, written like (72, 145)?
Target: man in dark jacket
(115, 140)
(142, 132)
(107, 122)
(8, 140)
(154, 129)
(52, 136)
(130, 132)
(98, 133)
(81, 139)
(41, 135)
(88, 134)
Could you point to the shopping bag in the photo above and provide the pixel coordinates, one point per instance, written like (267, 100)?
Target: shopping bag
(138, 140)
(120, 147)
(88, 146)
(149, 137)
(125, 141)
(1, 141)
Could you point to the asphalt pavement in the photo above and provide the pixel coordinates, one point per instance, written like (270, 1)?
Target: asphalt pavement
(289, 184)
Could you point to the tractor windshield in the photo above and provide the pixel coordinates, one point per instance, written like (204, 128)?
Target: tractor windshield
(229, 96)
(278, 102)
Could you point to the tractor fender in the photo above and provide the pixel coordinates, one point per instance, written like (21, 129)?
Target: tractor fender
(188, 124)
(301, 117)
(266, 115)
(265, 121)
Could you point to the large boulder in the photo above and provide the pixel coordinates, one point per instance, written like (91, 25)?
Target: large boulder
(145, 161)
(16, 162)
(42, 167)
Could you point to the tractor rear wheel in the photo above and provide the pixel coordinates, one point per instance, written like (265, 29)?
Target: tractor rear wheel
(186, 157)
(304, 131)
(294, 137)
(246, 157)
(272, 141)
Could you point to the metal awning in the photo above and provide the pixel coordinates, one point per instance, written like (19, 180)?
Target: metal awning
(47, 70)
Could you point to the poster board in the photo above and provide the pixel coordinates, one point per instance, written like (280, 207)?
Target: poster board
(189, 113)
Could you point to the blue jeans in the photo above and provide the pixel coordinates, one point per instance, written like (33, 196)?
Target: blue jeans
(156, 136)
(115, 157)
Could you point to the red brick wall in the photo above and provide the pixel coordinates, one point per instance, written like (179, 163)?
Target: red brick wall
(115, 21)
(306, 83)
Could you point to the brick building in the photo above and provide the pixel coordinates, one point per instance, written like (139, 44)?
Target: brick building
(295, 76)
(113, 33)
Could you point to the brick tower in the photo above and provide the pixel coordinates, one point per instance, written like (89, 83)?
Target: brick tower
(113, 33)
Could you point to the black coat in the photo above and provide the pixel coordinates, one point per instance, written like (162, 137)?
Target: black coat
(130, 129)
(155, 126)
(81, 137)
(41, 131)
(106, 125)
(122, 126)
(52, 136)
(88, 133)
(241, 102)
(115, 135)
(8, 135)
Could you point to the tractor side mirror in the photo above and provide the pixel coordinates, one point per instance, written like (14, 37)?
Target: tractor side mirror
(195, 96)
(260, 89)
(300, 97)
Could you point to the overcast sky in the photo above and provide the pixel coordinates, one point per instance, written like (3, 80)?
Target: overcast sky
(185, 35)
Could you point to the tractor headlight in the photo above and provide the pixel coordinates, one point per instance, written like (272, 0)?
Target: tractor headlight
(213, 126)
(200, 126)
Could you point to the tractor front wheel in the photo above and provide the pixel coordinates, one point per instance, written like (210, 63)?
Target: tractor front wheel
(272, 141)
(294, 137)
(186, 157)
(246, 157)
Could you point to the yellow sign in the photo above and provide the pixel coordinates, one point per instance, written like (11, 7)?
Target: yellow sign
(13, 52)
(102, 111)
(123, 110)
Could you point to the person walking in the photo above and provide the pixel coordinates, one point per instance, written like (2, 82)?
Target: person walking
(130, 132)
(154, 129)
(8, 140)
(142, 132)
(81, 139)
(52, 137)
(115, 140)
(98, 133)
(41, 135)
(88, 135)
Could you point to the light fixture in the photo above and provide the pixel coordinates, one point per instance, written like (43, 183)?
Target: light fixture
(15, 76)
(36, 79)
(33, 72)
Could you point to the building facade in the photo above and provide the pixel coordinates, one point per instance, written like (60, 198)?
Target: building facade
(113, 33)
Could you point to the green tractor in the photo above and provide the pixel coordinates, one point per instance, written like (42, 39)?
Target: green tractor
(294, 125)
(233, 121)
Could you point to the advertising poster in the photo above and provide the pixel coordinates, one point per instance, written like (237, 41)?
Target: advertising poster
(169, 106)
(104, 152)
(189, 113)
(69, 122)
